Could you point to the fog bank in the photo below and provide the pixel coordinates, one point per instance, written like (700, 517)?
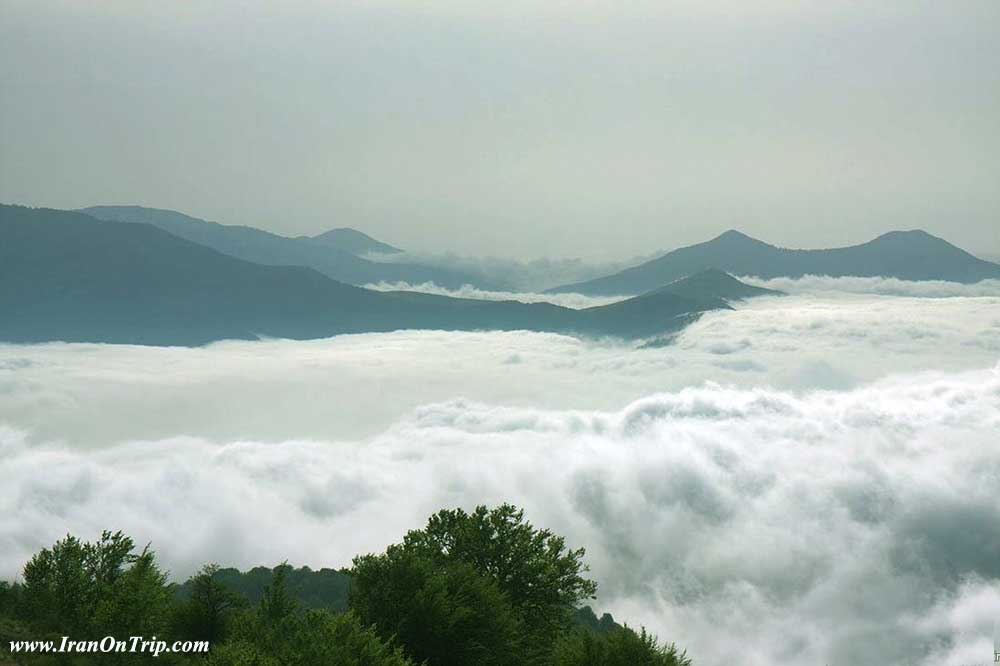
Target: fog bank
(842, 527)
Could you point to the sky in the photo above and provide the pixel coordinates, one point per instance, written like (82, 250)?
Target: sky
(806, 479)
(598, 129)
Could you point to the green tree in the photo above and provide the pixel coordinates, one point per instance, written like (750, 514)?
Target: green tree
(446, 614)
(586, 618)
(206, 612)
(311, 638)
(57, 592)
(539, 580)
(10, 598)
(134, 602)
(95, 589)
(324, 588)
(617, 647)
(91, 590)
(277, 603)
(320, 637)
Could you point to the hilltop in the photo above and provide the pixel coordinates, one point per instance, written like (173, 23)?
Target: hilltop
(355, 242)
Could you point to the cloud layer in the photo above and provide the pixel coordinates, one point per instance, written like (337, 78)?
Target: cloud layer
(807, 479)
(357, 386)
(575, 301)
(823, 285)
(841, 527)
(524, 275)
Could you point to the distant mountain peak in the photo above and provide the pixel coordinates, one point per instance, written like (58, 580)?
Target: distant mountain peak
(735, 237)
(355, 242)
(705, 276)
(348, 262)
(83, 279)
(905, 255)
(710, 273)
(910, 235)
(713, 283)
(733, 233)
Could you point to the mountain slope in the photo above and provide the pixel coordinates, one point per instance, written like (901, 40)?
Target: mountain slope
(907, 255)
(355, 242)
(713, 283)
(262, 247)
(68, 276)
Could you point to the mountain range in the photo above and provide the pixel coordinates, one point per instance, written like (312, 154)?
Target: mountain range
(906, 255)
(130, 274)
(334, 253)
(69, 276)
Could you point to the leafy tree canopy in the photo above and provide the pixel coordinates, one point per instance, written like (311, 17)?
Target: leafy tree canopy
(96, 589)
(484, 588)
(530, 584)
(617, 647)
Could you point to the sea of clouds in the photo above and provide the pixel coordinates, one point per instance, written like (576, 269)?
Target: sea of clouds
(568, 300)
(818, 284)
(522, 275)
(809, 479)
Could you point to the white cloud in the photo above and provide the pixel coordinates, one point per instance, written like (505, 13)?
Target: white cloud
(806, 479)
(357, 386)
(541, 273)
(575, 301)
(821, 284)
(833, 526)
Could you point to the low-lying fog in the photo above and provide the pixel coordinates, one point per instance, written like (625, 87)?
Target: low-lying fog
(810, 478)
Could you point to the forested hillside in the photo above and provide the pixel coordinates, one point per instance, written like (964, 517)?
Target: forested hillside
(469, 589)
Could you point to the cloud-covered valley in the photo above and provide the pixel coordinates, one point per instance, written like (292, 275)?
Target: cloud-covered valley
(568, 300)
(359, 385)
(807, 479)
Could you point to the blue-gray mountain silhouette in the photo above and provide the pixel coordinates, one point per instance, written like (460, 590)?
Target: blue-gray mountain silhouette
(262, 247)
(69, 276)
(355, 242)
(907, 255)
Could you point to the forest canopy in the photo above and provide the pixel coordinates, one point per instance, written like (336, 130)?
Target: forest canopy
(482, 588)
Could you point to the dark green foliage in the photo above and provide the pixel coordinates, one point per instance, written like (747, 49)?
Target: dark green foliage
(205, 612)
(323, 588)
(539, 580)
(91, 590)
(276, 604)
(540, 575)
(135, 602)
(444, 614)
(13, 629)
(314, 638)
(276, 633)
(58, 590)
(470, 589)
(10, 598)
(585, 618)
(618, 647)
(96, 589)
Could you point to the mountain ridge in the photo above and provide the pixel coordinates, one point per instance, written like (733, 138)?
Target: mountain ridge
(66, 276)
(907, 255)
(264, 247)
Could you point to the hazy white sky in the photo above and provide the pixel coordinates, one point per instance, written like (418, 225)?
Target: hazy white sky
(600, 129)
